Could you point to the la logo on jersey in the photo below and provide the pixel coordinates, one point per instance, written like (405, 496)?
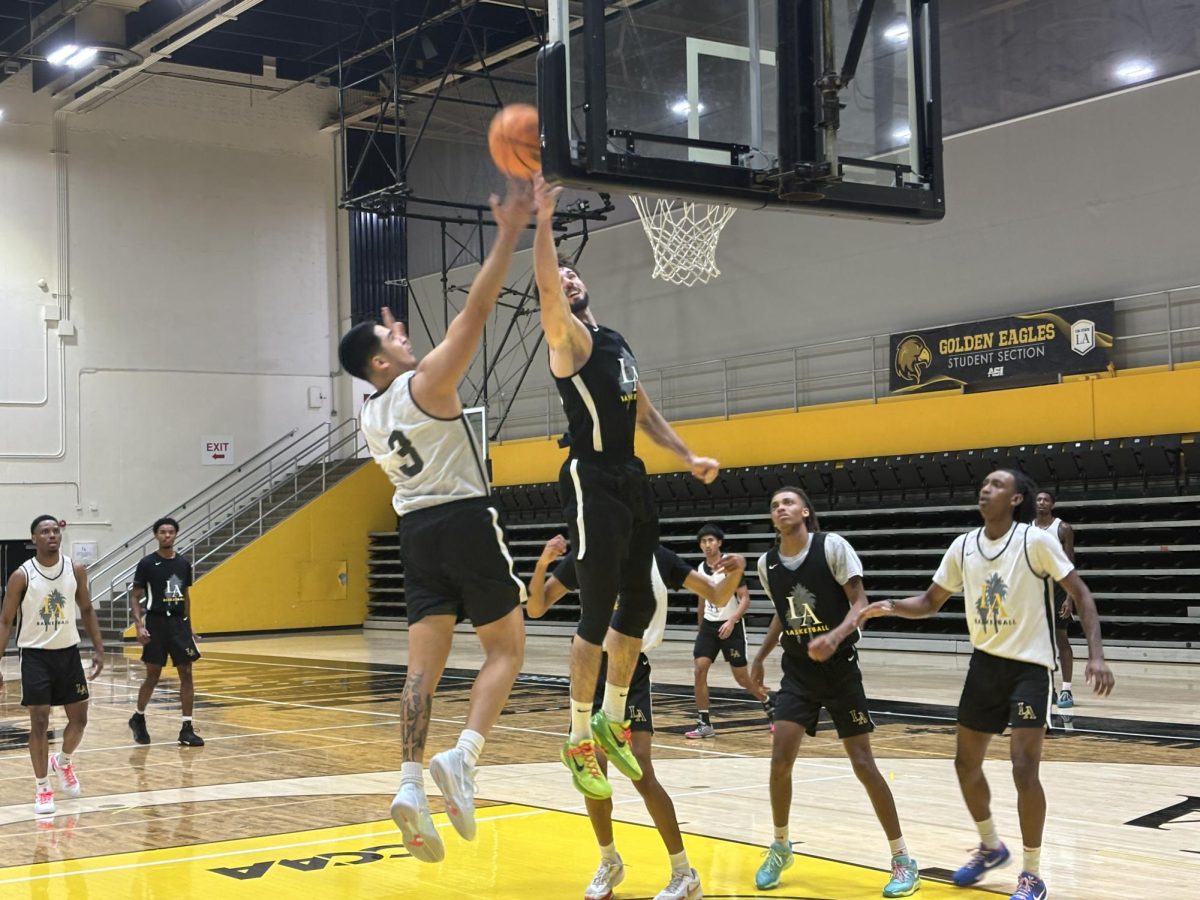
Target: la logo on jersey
(174, 589)
(52, 613)
(990, 607)
(802, 619)
(629, 377)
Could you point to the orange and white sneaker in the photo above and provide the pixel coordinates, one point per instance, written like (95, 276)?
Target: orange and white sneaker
(682, 886)
(43, 802)
(456, 780)
(410, 812)
(68, 782)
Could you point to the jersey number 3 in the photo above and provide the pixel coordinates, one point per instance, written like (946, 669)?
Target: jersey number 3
(403, 446)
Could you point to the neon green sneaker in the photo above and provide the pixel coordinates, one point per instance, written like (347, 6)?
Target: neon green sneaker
(614, 740)
(581, 760)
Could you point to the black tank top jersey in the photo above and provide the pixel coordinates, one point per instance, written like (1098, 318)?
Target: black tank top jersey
(600, 400)
(808, 599)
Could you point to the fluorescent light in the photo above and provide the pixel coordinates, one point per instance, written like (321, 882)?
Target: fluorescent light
(59, 56)
(82, 57)
(897, 34)
(1134, 70)
(682, 107)
(1, 115)
(902, 134)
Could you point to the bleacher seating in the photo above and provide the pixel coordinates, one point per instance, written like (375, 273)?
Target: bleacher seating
(1129, 501)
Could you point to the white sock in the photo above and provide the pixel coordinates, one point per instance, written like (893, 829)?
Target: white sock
(581, 716)
(141, 711)
(471, 744)
(899, 848)
(679, 863)
(410, 773)
(43, 784)
(987, 834)
(1066, 686)
(614, 701)
(187, 719)
(781, 835)
(64, 759)
(609, 853)
(1033, 860)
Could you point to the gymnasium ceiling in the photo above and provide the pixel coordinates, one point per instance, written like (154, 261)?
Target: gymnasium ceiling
(1000, 58)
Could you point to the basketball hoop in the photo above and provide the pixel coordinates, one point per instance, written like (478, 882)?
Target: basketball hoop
(683, 236)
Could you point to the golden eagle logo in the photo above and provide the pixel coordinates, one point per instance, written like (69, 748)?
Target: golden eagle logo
(913, 357)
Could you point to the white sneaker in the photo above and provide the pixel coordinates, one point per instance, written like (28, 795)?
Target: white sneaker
(67, 780)
(456, 780)
(607, 877)
(410, 812)
(43, 802)
(682, 886)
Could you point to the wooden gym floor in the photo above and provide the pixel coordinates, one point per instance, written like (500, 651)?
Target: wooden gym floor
(291, 791)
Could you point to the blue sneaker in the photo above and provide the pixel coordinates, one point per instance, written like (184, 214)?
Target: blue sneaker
(906, 878)
(1065, 700)
(1029, 887)
(778, 857)
(982, 859)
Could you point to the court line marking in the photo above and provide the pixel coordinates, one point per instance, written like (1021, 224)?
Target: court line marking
(392, 833)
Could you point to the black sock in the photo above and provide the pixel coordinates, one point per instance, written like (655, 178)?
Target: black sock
(703, 713)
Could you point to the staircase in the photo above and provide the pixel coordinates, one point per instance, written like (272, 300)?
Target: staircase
(232, 512)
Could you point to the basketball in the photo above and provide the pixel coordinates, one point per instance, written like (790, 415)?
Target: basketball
(514, 141)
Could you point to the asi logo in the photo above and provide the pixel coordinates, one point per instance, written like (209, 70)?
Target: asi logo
(913, 357)
(1083, 336)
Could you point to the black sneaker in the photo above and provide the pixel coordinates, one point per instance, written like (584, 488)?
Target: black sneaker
(188, 737)
(137, 723)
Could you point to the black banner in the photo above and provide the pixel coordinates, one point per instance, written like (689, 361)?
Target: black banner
(1035, 348)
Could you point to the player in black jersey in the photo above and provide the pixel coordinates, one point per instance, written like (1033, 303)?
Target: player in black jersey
(814, 580)
(163, 580)
(607, 502)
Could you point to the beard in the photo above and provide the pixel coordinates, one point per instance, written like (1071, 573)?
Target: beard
(579, 303)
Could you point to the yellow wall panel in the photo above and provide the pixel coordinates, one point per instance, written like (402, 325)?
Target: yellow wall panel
(292, 577)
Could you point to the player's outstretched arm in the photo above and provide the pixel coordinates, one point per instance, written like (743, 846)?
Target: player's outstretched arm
(14, 593)
(438, 374)
(659, 430)
(1097, 672)
(722, 592)
(920, 607)
(546, 590)
(91, 624)
(569, 340)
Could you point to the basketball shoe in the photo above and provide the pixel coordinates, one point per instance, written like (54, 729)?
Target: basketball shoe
(456, 780)
(779, 857)
(607, 877)
(68, 783)
(580, 760)
(410, 812)
(1029, 887)
(614, 739)
(906, 878)
(682, 886)
(43, 802)
(982, 859)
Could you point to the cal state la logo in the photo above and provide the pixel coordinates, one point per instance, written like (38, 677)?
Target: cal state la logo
(913, 357)
(1083, 336)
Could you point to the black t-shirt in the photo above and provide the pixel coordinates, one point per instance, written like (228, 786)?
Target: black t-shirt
(674, 571)
(600, 400)
(164, 581)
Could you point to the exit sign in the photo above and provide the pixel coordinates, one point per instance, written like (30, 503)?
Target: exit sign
(216, 450)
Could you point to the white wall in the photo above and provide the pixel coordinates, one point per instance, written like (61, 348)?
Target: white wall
(203, 288)
(1088, 202)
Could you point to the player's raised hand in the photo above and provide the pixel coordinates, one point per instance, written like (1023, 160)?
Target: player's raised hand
(1100, 677)
(392, 324)
(555, 547)
(704, 468)
(545, 197)
(731, 563)
(517, 207)
(875, 610)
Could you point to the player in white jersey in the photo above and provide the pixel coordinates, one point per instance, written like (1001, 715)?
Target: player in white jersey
(456, 563)
(1053, 525)
(42, 599)
(1004, 571)
(666, 570)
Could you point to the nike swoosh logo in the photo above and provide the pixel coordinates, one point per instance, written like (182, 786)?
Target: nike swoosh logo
(776, 566)
(579, 767)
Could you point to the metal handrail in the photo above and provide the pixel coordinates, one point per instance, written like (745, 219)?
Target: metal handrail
(287, 464)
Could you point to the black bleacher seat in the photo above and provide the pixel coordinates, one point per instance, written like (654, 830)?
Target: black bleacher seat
(929, 470)
(906, 473)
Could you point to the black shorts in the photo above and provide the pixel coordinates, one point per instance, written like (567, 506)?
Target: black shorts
(610, 511)
(709, 643)
(52, 677)
(457, 563)
(639, 708)
(835, 684)
(1071, 624)
(170, 635)
(1001, 692)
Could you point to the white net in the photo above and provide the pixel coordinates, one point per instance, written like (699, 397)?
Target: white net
(683, 236)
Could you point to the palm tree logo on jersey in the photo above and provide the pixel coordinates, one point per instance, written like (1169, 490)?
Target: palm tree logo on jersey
(53, 611)
(802, 619)
(990, 606)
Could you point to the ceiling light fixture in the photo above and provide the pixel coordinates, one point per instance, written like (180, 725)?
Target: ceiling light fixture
(683, 107)
(62, 54)
(1134, 70)
(897, 34)
(93, 56)
(902, 134)
(81, 57)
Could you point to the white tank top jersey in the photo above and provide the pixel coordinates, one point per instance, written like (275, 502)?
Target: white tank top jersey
(429, 461)
(1007, 591)
(48, 609)
(657, 629)
(1052, 529)
(717, 613)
